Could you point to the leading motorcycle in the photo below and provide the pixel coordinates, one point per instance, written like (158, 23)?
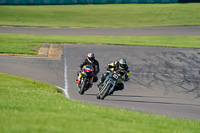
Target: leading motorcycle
(86, 73)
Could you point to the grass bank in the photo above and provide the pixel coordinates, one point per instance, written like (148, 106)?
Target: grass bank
(28, 106)
(114, 15)
(23, 43)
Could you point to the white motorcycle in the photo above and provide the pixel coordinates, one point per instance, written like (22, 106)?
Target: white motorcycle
(108, 85)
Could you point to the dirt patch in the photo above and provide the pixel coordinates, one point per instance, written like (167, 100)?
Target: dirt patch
(48, 51)
(36, 48)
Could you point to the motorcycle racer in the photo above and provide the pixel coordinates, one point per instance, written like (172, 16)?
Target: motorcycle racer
(87, 73)
(90, 60)
(120, 66)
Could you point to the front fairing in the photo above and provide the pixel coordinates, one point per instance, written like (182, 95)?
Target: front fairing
(113, 77)
(87, 74)
(108, 77)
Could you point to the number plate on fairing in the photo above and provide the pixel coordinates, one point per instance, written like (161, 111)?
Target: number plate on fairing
(115, 76)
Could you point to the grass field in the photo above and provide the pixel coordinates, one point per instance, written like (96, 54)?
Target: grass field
(28, 106)
(116, 15)
(23, 43)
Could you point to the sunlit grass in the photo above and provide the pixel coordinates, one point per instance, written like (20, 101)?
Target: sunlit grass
(113, 15)
(28, 106)
(23, 43)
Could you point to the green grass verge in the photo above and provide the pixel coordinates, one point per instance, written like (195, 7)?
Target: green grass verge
(114, 15)
(23, 43)
(28, 106)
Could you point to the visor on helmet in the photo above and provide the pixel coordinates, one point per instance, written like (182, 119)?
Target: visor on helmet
(123, 66)
(91, 58)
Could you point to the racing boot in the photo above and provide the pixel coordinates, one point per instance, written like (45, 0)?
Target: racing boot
(78, 83)
(90, 85)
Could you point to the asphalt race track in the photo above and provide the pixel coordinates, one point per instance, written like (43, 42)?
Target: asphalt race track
(164, 81)
(148, 31)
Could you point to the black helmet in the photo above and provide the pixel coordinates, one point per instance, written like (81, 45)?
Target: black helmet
(122, 64)
(91, 57)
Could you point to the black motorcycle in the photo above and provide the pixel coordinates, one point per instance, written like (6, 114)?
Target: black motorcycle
(108, 85)
(87, 72)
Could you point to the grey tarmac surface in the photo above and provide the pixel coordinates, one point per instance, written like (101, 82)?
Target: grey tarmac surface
(164, 81)
(47, 71)
(148, 31)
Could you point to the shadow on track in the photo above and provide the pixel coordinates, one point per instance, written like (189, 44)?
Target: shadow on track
(143, 101)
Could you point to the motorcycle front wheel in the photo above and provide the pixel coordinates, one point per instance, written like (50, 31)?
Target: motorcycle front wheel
(82, 88)
(104, 92)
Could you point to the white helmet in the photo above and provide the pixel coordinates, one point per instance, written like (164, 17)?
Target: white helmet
(122, 64)
(91, 57)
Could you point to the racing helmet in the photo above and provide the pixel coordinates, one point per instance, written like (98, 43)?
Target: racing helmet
(122, 64)
(91, 57)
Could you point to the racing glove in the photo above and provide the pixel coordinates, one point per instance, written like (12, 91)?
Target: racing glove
(127, 79)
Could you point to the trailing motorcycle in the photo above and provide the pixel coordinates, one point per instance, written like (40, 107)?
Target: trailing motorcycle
(86, 73)
(108, 85)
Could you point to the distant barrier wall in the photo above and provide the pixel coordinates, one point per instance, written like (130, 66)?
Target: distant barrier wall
(61, 2)
(189, 1)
